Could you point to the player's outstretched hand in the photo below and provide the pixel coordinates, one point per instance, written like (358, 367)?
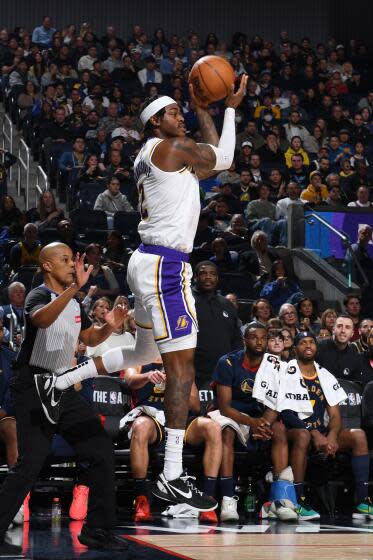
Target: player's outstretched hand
(81, 274)
(116, 316)
(234, 99)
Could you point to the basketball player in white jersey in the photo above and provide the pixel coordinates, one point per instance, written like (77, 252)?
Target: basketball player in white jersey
(167, 171)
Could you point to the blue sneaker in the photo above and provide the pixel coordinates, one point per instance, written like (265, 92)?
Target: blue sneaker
(363, 510)
(305, 511)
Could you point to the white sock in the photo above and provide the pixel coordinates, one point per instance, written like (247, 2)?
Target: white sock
(83, 371)
(143, 351)
(173, 457)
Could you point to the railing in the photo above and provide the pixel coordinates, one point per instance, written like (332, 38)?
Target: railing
(346, 242)
(24, 163)
(42, 183)
(7, 135)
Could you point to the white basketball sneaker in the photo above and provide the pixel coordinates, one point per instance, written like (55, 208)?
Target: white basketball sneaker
(284, 510)
(228, 511)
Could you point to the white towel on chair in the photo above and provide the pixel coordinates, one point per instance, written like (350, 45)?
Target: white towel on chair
(293, 393)
(147, 410)
(267, 380)
(241, 430)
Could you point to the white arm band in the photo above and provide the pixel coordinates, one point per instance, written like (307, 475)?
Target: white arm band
(224, 152)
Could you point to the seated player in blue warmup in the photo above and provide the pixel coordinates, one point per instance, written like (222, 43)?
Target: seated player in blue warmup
(312, 432)
(148, 431)
(233, 381)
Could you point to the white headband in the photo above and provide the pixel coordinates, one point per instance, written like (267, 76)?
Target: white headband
(154, 107)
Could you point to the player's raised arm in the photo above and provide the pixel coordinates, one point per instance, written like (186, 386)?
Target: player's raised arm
(214, 154)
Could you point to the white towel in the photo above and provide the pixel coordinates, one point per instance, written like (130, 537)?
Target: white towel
(241, 430)
(151, 411)
(267, 380)
(293, 393)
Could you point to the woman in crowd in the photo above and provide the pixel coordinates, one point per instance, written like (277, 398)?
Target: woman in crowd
(47, 214)
(288, 352)
(328, 319)
(93, 171)
(261, 311)
(99, 309)
(118, 338)
(29, 99)
(308, 316)
(11, 217)
(38, 69)
(296, 148)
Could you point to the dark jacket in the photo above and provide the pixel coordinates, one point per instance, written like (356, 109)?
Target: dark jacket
(366, 369)
(219, 333)
(343, 364)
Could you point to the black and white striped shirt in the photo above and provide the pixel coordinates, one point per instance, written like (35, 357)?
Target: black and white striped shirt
(51, 348)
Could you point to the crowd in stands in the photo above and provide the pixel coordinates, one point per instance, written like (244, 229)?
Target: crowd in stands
(304, 135)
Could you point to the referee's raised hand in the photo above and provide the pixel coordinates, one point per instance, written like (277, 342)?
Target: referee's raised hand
(116, 316)
(81, 274)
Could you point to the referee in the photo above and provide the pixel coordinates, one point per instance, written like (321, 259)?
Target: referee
(54, 323)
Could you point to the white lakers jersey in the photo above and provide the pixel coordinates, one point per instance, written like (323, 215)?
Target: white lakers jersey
(169, 202)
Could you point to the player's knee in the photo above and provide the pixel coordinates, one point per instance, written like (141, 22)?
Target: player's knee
(141, 431)
(8, 433)
(228, 437)
(213, 433)
(302, 439)
(359, 440)
(279, 432)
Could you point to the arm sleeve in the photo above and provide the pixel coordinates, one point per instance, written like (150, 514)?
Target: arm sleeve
(224, 152)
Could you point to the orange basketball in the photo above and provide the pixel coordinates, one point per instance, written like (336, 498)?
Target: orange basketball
(212, 78)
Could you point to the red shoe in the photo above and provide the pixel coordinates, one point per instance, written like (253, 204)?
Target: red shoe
(79, 505)
(208, 516)
(26, 509)
(142, 509)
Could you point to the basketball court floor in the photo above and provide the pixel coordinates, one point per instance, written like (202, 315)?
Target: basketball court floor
(167, 539)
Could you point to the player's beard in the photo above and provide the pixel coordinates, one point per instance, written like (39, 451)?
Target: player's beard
(255, 353)
(306, 360)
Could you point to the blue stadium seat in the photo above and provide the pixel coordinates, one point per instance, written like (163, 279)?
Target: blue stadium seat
(91, 224)
(88, 192)
(127, 223)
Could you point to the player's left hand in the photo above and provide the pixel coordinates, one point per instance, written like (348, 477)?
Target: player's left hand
(116, 316)
(234, 99)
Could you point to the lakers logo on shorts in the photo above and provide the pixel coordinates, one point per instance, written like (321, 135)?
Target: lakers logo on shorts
(182, 323)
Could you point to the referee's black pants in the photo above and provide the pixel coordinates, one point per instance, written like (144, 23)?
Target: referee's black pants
(82, 429)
